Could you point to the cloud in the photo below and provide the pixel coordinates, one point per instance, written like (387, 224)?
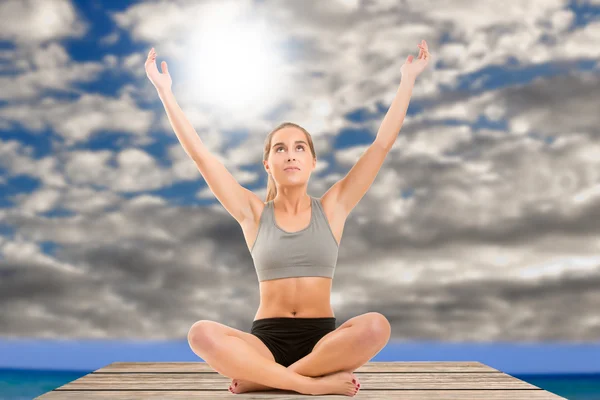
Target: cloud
(480, 226)
(29, 22)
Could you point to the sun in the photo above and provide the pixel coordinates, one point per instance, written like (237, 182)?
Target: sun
(235, 65)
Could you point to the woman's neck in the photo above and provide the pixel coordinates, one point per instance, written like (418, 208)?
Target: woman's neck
(292, 205)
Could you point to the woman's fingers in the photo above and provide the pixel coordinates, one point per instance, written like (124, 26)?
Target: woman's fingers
(426, 49)
(151, 61)
(424, 52)
(152, 54)
(151, 57)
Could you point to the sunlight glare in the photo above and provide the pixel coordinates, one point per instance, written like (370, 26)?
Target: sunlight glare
(235, 66)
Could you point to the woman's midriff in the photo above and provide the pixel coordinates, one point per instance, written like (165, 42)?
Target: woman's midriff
(299, 297)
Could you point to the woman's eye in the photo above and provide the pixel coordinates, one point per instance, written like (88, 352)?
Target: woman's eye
(279, 148)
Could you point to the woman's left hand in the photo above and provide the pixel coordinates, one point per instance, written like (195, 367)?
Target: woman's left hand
(414, 68)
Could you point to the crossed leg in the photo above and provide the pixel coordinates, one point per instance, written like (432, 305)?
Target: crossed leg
(350, 346)
(347, 348)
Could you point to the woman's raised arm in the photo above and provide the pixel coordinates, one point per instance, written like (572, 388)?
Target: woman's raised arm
(235, 198)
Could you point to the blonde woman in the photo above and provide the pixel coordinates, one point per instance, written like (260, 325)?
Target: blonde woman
(293, 237)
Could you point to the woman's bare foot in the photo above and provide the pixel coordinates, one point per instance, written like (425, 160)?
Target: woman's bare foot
(247, 386)
(343, 382)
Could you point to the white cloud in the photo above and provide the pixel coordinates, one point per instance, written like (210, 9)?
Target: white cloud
(30, 21)
(42, 68)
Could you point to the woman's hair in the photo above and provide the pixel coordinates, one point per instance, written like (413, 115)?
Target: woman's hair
(271, 187)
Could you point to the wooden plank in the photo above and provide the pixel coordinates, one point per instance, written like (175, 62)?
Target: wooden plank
(382, 380)
(373, 366)
(468, 380)
(286, 395)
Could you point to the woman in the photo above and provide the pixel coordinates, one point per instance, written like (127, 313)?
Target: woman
(293, 239)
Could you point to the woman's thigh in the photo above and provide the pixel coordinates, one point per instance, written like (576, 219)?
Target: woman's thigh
(213, 329)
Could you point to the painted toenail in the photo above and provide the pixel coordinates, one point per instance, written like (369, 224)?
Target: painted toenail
(353, 380)
(236, 384)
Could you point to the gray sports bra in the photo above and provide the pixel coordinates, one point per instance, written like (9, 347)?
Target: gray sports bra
(312, 251)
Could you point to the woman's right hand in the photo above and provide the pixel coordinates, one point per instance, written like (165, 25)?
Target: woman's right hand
(160, 81)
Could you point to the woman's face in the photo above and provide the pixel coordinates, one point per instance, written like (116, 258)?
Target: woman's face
(289, 148)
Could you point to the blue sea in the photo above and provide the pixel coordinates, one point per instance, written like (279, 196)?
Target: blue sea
(22, 384)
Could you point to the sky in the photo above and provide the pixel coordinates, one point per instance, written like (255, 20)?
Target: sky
(481, 228)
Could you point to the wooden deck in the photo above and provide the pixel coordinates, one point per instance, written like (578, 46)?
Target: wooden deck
(468, 380)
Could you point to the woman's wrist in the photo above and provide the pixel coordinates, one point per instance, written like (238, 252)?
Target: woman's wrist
(163, 93)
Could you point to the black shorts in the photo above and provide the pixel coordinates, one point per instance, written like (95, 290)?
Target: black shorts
(289, 338)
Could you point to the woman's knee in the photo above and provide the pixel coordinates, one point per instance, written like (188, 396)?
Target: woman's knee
(203, 334)
(378, 327)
